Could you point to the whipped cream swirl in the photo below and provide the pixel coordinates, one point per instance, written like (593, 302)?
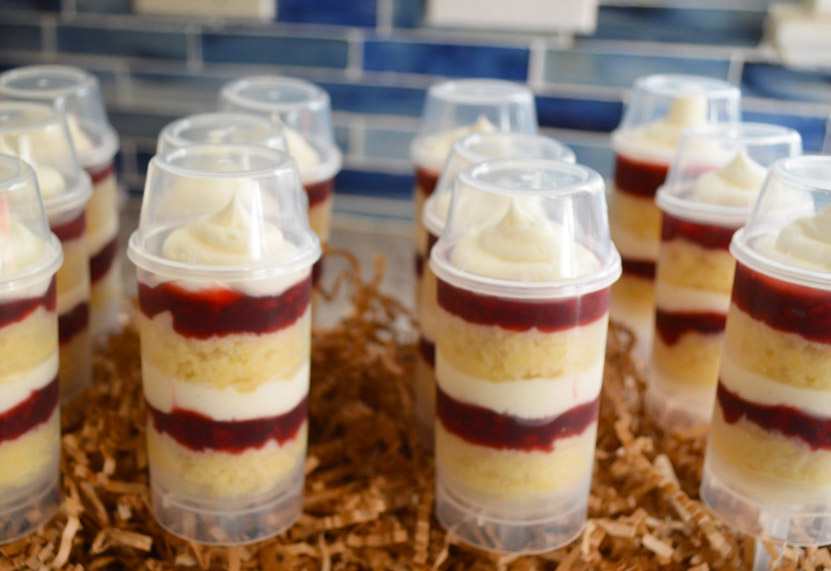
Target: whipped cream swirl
(804, 243)
(736, 184)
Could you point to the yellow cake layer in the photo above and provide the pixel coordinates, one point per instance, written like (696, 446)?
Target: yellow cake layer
(491, 353)
(242, 360)
(32, 455)
(320, 219)
(75, 268)
(428, 306)
(508, 474)
(686, 264)
(425, 395)
(102, 212)
(107, 289)
(782, 357)
(422, 239)
(692, 361)
(419, 198)
(75, 372)
(28, 343)
(221, 474)
(634, 215)
(767, 458)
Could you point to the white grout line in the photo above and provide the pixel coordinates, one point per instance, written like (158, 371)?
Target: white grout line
(194, 48)
(355, 56)
(49, 35)
(384, 17)
(536, 63)
(69, 8)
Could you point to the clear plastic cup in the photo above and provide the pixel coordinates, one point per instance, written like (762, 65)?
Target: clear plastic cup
(304, 111)
(711, 187)
(78, 94)
(660, 108)
(224, 290)
(768, 454)
(30, 437)
(523, 293)
(826, 143)
(38, 134)
(466, 152)
(212, 128)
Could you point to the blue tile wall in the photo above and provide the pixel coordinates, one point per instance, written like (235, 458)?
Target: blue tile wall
(122, 42)
(274, 50)
(34, 5)
(375, 99)
(777, 82)
(139, 124)
(342, 139)
(387, 144)
(20, 37)
(447, 59)
(103, 6)
(601, 159)
(368, 183)
(407, 13)
(812, 129)
(328, 12)
(582, 114)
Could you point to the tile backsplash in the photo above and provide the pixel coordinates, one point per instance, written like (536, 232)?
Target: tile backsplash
(376, 60)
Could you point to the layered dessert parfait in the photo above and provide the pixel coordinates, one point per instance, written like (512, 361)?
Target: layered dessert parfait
(703, 203)
(661, 107)
(520, 345)
(29, 394)
(769, 452)
(303, 110)
(467, 151)
(225, 326)
(77, 94)
(65, 188)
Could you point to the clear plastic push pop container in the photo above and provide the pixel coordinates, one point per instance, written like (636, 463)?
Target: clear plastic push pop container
(713, 183)
(38, 135)
(224, 290)
(30, 434)
(221, 128)
(466, 152)
(304, 111)
(660, 108)
(77, 93)
(769, 450)
(523, 292)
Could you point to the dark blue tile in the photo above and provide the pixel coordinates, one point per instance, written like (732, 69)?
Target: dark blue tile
(778, 82)
(621, 70)
(136, 124)
(389, 100)
(337, 12)
(142, 161)
(387, 144)
(121, 42)
(812, 129)
(20, 37)
(368, 183)
(580, 114)
(105, 6)
(274, 50)
(407, 13)
(685, 25)
(447, 59)
(35, 5)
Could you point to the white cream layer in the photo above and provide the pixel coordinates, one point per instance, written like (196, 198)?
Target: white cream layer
(274, 397)
(69, 299)
(632, 247)
(14, 389)
(528, 399)
(672, 298)
(431, 152)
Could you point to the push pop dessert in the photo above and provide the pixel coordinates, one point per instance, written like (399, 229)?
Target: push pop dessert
(77, 94)
(30, 443)
(304, 112)
(38, 134)
(660, 108)
(224, 312)
(712, 185)
(466, 152)
(768, 457)
(520, 339)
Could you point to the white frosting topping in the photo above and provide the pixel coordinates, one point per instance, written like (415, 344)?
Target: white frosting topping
(300, 150)
(804, 243)
(438, 146)
(662, 135)
(226, 237)
(735, 184)
(522, 246)
(21, 248)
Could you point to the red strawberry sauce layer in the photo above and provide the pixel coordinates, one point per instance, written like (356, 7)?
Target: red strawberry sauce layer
(638, 268)
(98, 174)
(218, 311)
(100, 263)
(319, 191)
(199, 432)
(672, 325)
(709, 236)
(70, 229)
(425, 181)
(484, 427)
(547, 316)
(787, 420)
(19, 309)
(73, 321)
(420, 260)
(783, 306)
(26, 415)
(640, 178)
(427, 350)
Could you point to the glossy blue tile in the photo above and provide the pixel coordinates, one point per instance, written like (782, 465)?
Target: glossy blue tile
(581, 114)
(337, 12)
(122, 42)
(375, 99)
(407, 13)
(20, 37)
(684, 25)
(447, 59)
(621, 70)
(778, 82)
(387, 144)
(35, 5)
(104, 6)
(812, 129)
(137, 124)
(274, 50)
(368, 183)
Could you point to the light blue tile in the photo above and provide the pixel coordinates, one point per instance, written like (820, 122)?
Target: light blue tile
(601, 159)
(122, 42)
(812, 129)
(779, 82)
(342, 139)
(228, 47)
(387, 144)
(407, 13)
